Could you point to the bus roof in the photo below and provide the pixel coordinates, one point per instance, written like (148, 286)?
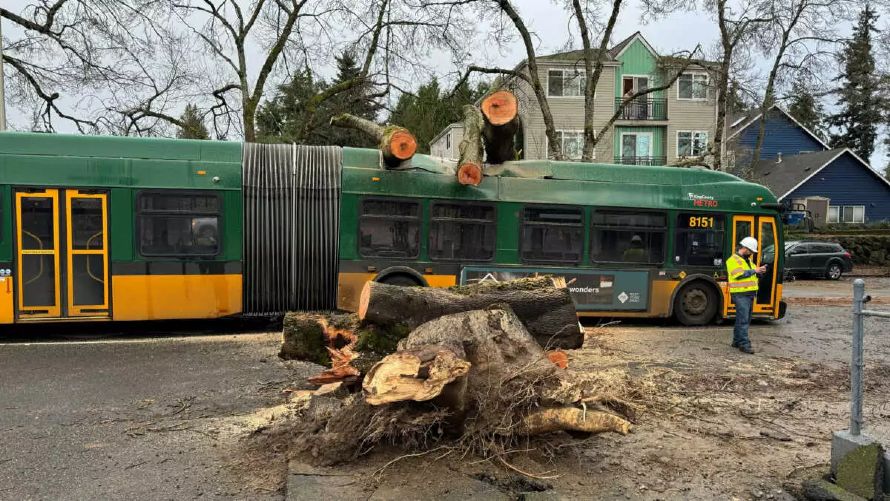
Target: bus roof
(553, 182)
(539, 181)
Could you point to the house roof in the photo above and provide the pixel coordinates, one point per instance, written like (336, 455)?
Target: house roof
(451, 126)
(786, 176)
(782, 177)
(619, 47)
(743, 122)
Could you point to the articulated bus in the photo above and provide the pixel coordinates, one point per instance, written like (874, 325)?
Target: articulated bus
(115, 228)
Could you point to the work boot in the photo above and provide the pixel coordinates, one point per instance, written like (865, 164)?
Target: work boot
(746, 349)
(735, 344)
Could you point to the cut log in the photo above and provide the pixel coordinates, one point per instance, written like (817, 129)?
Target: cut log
(542, 421)
(469, 164)
(396, 143)
(414, 375)
(547, 312)
(500, 110)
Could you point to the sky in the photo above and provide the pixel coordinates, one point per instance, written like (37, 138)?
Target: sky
(549, 22)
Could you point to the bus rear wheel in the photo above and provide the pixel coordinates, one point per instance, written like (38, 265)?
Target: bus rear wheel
(696, 304)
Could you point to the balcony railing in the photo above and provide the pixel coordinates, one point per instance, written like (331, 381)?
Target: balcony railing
(643, 109)
(633, 160)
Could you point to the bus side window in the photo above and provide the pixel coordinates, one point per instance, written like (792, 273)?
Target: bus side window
(178, 223)
(699, 239)
(552, 234)
(628, 237)
(389, 228)
(462, 231)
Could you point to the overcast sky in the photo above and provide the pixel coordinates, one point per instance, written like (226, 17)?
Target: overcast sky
(552, 27)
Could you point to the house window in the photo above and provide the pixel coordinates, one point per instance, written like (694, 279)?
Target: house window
(691, 143)
(846, 214)
(562, 83)
(448, 141)
(178, 224)
(692, 86)
(571, 143)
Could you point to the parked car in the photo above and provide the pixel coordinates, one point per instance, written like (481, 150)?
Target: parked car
(826, 259)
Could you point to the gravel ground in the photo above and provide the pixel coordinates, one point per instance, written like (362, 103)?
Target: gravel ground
(172, 416)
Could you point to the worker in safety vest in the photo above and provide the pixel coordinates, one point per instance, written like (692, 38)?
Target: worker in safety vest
(742, 276)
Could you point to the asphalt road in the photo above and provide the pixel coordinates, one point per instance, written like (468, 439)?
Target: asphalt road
(129, 418)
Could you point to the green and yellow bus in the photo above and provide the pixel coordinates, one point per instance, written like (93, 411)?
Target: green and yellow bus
(113, 228)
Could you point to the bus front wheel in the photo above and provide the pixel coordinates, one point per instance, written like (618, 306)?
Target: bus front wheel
(696, 304)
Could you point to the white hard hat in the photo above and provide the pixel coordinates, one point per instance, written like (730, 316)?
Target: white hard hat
(749, 243)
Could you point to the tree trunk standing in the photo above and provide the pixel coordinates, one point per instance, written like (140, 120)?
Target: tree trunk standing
(769, 93)
(548, 313)
(540, 95)
(592, 72)
(500, 111)
(469, 163)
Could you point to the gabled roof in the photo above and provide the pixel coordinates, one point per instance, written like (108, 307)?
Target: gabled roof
(620, 46)
(785, 176)
(754, 116)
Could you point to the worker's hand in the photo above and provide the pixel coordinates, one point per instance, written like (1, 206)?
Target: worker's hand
(760, 270)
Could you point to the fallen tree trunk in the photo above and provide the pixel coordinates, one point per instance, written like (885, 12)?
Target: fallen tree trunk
(547, 312)
(469, 163)
(500, 111)
(396, 143)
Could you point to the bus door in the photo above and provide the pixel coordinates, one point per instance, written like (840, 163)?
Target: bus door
(61, 254)
(767, 255)
(763, 228)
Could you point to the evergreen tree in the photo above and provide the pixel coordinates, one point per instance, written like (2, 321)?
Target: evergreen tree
(806, 109)
(431, 109)
(859, 102)
(357, 101)
(193, 124)
(283, 118)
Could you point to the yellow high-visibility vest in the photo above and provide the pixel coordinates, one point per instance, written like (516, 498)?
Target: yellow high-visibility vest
(735, 266)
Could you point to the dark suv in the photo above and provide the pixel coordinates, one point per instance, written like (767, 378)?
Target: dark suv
(817, 258)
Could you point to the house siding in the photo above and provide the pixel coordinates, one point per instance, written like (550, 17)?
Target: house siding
(638, 61)
(782, 136)
(438, 147)
(568, 112)
(847, 182)
(683, 115)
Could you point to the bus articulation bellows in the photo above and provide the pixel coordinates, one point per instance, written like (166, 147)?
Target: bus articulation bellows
(116, 228)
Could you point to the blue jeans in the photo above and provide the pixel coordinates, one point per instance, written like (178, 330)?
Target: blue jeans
(744, 305)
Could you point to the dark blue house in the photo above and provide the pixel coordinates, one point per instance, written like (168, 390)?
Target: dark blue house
(798, 167)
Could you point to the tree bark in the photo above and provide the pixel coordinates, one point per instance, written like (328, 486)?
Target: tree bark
(500, 111)
(307, 336)
(469, 163)
(548, 313)
(396, 143)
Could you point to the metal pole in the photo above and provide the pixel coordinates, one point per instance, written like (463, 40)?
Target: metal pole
(2, 84)
(856, 365)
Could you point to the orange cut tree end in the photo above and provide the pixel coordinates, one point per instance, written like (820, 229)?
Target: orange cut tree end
(402, 144)
(469, 174)
(500, 107)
